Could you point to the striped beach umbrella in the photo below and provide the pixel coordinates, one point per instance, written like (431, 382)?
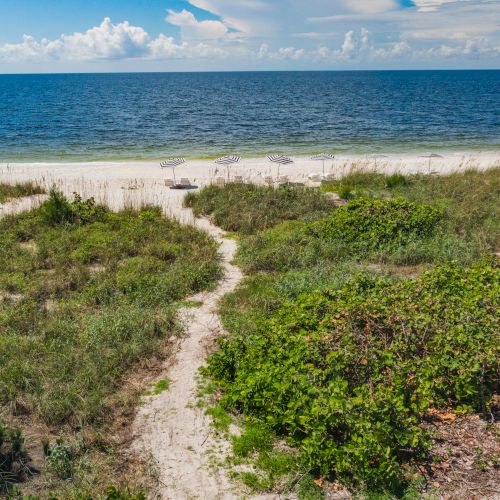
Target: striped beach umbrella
(172, 163)
(280, 160)
(430, 156)
(227, 161)
(323, 157)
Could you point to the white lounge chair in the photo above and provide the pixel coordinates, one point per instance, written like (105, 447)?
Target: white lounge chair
(284, 179)
(238, 179)
(315, 177)
(169, 182)
(220, 181)
(268, 180)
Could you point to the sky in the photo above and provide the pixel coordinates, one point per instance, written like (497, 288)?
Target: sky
(44, 36)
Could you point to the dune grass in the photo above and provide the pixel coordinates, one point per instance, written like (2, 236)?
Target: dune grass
(351, 324)
(18, 190)
(85, 295)
(246, 208)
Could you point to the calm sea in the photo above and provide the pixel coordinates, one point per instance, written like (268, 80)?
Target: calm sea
(81, 117)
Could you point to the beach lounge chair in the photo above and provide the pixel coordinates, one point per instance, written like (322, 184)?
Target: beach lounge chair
(169, 182)
(184, 183)
(315, 177)
(284, 179)
(268, 180)
(238, 179)
(330, 177)
(220, 181)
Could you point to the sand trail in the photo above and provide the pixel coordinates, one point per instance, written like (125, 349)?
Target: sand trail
(169, 427)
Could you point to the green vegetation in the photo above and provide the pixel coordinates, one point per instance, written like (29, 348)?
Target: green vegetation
(469, 201)
(159, 387)
(85, 294)
(13, 460)
(354, 324)
(347, 374)
(366, 225)
(248, 208)
(9, 191)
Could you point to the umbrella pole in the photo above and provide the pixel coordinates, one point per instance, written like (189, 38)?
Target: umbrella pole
(323, 169)
(173, 171)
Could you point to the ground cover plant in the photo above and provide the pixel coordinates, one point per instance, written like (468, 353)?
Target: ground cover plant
(86, 294)
(18, 190)
(354, 327)
(347, 374)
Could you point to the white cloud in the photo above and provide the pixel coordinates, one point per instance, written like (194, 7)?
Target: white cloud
(283, 53)
(432, 5)
(192, 29)
(289, 34)
(371, 6)
(106, 41)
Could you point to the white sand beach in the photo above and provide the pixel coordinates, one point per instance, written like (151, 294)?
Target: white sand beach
(121, 184)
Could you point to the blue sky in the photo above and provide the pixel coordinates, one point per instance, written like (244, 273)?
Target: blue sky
(199, 35)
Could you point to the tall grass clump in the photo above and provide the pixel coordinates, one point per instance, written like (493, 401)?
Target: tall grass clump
(247, 208)
(18, 190)
(347, 375)
(85, 294)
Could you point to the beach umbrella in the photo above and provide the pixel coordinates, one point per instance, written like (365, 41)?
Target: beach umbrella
(430, 156)
(172, 163)
(280, 160)
(323, 157)
(377, 156)
(227, 161)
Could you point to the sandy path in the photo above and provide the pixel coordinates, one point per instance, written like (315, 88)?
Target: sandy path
(169, 427)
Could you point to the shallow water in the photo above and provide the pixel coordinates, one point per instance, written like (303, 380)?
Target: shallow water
(150, 116)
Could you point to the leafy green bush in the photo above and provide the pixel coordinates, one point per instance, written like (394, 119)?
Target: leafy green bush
(58, 210)
(60, 458)
(366, 224)
(348, 374)
(247, 208)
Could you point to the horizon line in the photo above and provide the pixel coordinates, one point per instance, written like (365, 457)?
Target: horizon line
(248, 71)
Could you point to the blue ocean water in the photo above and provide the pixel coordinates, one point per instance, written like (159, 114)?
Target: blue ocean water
(83, 117)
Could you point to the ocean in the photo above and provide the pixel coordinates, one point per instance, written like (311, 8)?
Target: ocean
(150, 116)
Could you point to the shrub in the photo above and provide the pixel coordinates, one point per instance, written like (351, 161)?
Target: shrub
(366, 224)
(348, 374)
(58, 210)
(60, 458)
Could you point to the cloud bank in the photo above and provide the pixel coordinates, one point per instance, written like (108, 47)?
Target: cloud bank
(264, 33)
